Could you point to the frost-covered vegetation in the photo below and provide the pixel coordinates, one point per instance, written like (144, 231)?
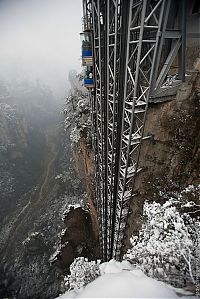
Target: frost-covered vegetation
(77, 110)
(118, 280)
(166, 247)
(29, 143)
(78, 115)
(82, 272)
(8, 112)
(70, 181)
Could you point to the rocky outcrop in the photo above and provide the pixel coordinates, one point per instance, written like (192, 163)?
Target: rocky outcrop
(77, 120)
(35, 244)
(170, 161)
(78, 238)
(84, 167)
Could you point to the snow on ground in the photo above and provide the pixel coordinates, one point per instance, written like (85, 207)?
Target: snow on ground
(122, 280)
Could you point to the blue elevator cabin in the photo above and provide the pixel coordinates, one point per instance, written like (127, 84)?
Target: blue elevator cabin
(87, 58)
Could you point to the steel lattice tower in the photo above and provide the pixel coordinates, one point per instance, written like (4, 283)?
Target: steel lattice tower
(130, 39)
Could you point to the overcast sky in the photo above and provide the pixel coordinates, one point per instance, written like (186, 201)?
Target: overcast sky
(39, 39)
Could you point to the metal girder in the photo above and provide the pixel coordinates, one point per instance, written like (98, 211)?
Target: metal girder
(141, 53)
(112, 52)
(130, 66)
(87, 15)
(100, 163)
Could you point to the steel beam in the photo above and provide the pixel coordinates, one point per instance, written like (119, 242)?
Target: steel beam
(130, 66)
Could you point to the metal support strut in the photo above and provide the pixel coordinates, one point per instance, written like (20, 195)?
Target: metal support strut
(135, 44)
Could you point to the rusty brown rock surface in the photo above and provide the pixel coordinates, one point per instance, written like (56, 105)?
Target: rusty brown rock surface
(78, 238)
(85, 169)
(170, 161)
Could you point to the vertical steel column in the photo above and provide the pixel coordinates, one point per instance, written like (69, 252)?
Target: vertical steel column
(113, 27)
(121, 81)
(160, 38)
(182, 10)
(99, 121)
(129, 37)
(141, 51)
(105, 107)
(101, 96)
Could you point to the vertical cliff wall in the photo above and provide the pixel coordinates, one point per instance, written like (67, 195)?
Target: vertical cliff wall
(170, 160)
(81, 234)
(85, 168)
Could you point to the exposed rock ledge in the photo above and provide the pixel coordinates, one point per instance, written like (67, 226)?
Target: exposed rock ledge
(77, 239)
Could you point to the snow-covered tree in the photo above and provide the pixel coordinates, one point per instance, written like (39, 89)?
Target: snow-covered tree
(82, 273)
(166, 245)
(77, 110)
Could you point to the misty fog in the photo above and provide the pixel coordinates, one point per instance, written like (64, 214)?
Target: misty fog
(40, 56)
(40, 41)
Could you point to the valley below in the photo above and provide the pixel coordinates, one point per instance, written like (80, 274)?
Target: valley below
(34, 150)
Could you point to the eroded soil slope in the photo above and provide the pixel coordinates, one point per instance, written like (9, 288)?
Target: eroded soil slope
(170, 160)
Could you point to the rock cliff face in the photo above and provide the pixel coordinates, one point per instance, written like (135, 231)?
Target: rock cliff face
(20, 157)
(80, 236)
(77, 112)
(32, 201)
(77, 239)
(170, 160)
(84, 167)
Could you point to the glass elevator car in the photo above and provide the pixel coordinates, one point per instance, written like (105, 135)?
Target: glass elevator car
(88, 76)
(87, 58)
